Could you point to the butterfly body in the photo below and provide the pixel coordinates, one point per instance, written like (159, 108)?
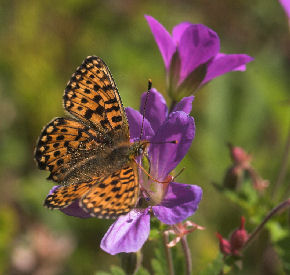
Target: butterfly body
(90, 154)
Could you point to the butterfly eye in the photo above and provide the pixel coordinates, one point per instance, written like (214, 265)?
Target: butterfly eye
(140, 151)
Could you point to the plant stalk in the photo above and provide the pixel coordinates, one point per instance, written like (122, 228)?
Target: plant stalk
(168, 254)
(187, 255)
(280, 207)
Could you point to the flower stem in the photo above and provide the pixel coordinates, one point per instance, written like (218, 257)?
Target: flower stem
(168, 254)
(187, 255)
(280, 207)
(283, 168)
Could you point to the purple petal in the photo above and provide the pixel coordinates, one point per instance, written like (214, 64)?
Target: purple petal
(180, 202)
(286, 6)
(178, 31)
(135, 124)
(165, 157)
(185, 105)
(198, 45)
(163, 39)
(155, 110)
(74, 209)
(128, 233)
(224, 63)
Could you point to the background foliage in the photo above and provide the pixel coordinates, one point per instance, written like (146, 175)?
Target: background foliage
(41, 44)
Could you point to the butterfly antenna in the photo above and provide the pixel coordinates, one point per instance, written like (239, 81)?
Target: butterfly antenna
(144, 108)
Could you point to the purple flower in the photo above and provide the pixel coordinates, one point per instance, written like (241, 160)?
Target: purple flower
(191, 54)
(171, 203)
(286, 6)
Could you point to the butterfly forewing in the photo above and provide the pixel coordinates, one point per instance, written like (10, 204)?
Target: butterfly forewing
(62, 143)
(92, 96)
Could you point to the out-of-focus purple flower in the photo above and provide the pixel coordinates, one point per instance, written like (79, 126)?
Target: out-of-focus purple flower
(171, 203)
(191, 55)
(286, 6)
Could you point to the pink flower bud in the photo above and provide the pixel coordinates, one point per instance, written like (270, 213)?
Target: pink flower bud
(238, 238)
(240, 157)
(225, 246)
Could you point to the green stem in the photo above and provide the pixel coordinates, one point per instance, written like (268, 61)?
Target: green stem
(168, 254)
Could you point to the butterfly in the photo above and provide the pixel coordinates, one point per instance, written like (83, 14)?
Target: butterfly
(89, 154)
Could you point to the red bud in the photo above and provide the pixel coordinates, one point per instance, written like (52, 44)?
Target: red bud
(238, 238)
(225, 246)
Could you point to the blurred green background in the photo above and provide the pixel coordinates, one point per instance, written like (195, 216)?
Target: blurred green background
(42, 43)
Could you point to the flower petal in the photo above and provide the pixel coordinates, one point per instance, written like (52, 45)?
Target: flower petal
(184, 105)
(178, 127)
(128, 233)
(163, 40)
(286, 6)
(224, 63)
(180, 202)
(135, 124)
(198, 45)
(178, 31)
(155, 110)
(75, 210)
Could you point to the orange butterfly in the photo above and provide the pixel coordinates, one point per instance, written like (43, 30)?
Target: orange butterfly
(90, 154)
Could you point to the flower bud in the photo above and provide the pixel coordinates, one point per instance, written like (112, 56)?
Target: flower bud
(238, 238)
(240, 157)
(232, 178)
(225, 246)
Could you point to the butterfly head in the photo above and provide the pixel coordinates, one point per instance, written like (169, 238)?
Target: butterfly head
(138, 148)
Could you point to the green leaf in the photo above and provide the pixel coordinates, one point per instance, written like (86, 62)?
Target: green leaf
(246, 197)
(115, 270)
(283, 249)
(159, 264)
(142, 271)
(102, 273)
(277, 231)
(130, 262)
(154, 234)
(178, 259)
(157, 267)
(214, 267)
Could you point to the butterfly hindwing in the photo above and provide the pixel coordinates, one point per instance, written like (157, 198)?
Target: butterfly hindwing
(114, 196)
(65, 195)
(92, 96)
(106, 197)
